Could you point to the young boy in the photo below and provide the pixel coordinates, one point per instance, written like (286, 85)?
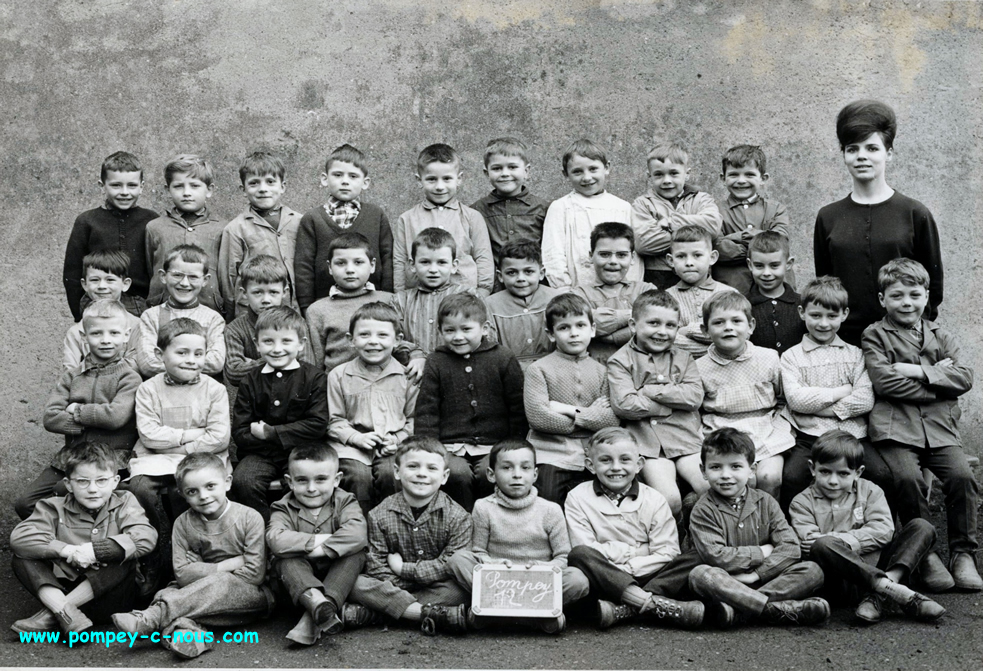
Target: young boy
(92, 402)
(670, 204)
(612, 247)
(439, 171)
(317, 536)
(657, 392)
(691, 256)
(918, 374)
(188, 180)
(117, 225)
(517, 312)
(412, 534)
(515, 525)
(774, 304)
(328, 319)
(511, 212)
(264, 283)
(742, 385)
(345, 176)
(76, 553)
(279, 406)
(752, 568)
(624, 539)
(471, 394)
(846, 526)
(570, 219)
(184, 273)
(825, 384)
(371, 403)
(266, 227)
(566, 398)
(219, 564)
(748, 212)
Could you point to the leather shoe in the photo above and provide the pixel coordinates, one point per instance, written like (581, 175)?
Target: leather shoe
(933, 574)
(870, 609)
(964, 573)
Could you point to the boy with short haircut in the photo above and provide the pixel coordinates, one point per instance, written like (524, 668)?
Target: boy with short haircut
(78, 551)
(266, 227)
(825, 383)
(345, 176)
(263, 283)
(515, 525)
(117, 225)
(612, 247)
(918, 374)
(279, 406)
(412, 534)
(570, 219)
(656, 390)
(691, 256)
(328, 319)
(747, 212)
(774, 304)
(669, 205)
(184, 272)
(439, 170)
(752, 568)
(371, 404)
(517, 311)
(92, 402)
(742, 385)
(470, 396)
(188, 179)
(566, 398)
(219, 564)
(624, 539)
(317, 536)
(846, 526)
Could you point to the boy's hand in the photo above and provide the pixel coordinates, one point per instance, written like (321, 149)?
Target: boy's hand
(191, 435)
(767, 549)
(395, 562)
(909, 370)
(946, 363)
(748, 578)
(564, 409)
(71, 408)
(231, 564)
(85, 556)
(387, 449)
(366, 441)
(261, 430)
(843, 391)
(414, 370)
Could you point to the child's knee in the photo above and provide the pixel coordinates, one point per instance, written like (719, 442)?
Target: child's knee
(24, 506)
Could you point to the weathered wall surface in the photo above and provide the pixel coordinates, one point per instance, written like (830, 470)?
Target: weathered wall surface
(81, 79)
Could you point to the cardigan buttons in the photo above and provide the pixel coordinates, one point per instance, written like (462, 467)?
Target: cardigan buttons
(474, 404)
(277, 403)
(467, 369)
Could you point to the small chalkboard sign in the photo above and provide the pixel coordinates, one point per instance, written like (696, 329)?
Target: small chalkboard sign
(517, 591)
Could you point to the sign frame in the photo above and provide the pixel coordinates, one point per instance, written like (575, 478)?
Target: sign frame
(504, 591)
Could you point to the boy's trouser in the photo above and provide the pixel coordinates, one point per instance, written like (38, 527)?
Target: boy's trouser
(462, 563)
(958, 484)
(609, 582)
(251, 481)
(151, 491)
(49, 483)
(460, 485)
(554, 483)
(842, 564)
(716, 585)
(356, 478)
(114, 586)
(220, 597)
(334, 577)
(384, 597)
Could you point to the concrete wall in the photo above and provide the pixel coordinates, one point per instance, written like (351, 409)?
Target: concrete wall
(81, 79)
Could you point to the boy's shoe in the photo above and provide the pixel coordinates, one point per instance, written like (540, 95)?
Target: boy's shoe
(43, 620)
(315, 603)
(305, 632)
(553, 625)
(446, 619)
(354, 616)
(724, 615)
(965, 576)
(870, 609)
(934, 575)
(922, 608)
(686, 614)
(186, 639)
(610, 614)
(71, 619)
(143, 622)
(806, 612)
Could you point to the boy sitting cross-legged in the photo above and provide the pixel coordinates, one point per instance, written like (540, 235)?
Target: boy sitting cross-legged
(514, 525)
(317, 537)
(751, 554)
(846, 527)
(412, 534)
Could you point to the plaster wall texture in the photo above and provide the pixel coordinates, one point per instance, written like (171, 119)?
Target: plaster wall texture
(81, 79)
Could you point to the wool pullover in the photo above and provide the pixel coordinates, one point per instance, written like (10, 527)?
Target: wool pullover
(75, 347)
(241, 355)
(167, 232)
(150, 364)
(328, 320)
(521, 530)
(655, 219)
(778, 325)
(199, 544)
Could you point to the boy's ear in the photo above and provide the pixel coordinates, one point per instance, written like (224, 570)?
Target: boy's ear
(127, 281)
(631, 325)
(209, 189)
(812, 468)
(447, 474)
(549, 334)
(880, 298)
(846, 312)
(348, 337)
(159, 353)
(490, 474)
(669, 260)
(542, 273)
(498, 276)
(589, 465)
(790, 261)
(455, 263)
(324, 179)
(204, 280)
(337, 478)
(714, 255)
(860, 470)
(366, 182)
(372, 265)
(703, 470)
(287, 478)
(751, 323)
(162, 273)
(802, 313)
(765, 177)
(417, 175)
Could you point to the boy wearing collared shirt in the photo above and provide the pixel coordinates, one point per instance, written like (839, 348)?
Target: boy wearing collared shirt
(774, 303)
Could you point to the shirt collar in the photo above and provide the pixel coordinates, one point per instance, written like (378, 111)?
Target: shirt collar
(810, 345)
(570, 357)
(333, 204)
(496, 197)
(335, 292)
(755, 297)
(723, 361)
(631, 493)
(709, 284)
(486, 344)
(267, 368)
(359, 369)
(734, 202)
(91, 363)
(171, 382)
(452, 204)
(175, 214)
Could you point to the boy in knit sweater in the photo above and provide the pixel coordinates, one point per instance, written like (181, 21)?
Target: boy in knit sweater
(345, 176)
(775, 305)
(566, 399)
(514, 525)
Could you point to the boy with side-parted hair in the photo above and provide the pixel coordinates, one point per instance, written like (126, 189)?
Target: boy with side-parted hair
(440, 172)
(918, 374)
(570, 219)
(774, 304)
(345, 176)
(266, 227)
(516, 313)
(670, 204)
(566, 398)
(188, 179)
(117, 225)
(747, 212)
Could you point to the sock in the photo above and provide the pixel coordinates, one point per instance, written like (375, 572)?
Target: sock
(82, 594)
(635, 596)
(896, 592)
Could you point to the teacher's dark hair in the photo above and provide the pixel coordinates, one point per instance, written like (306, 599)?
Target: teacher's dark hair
(862, 118)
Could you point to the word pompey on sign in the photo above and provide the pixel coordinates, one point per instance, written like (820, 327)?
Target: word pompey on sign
(517, 591)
